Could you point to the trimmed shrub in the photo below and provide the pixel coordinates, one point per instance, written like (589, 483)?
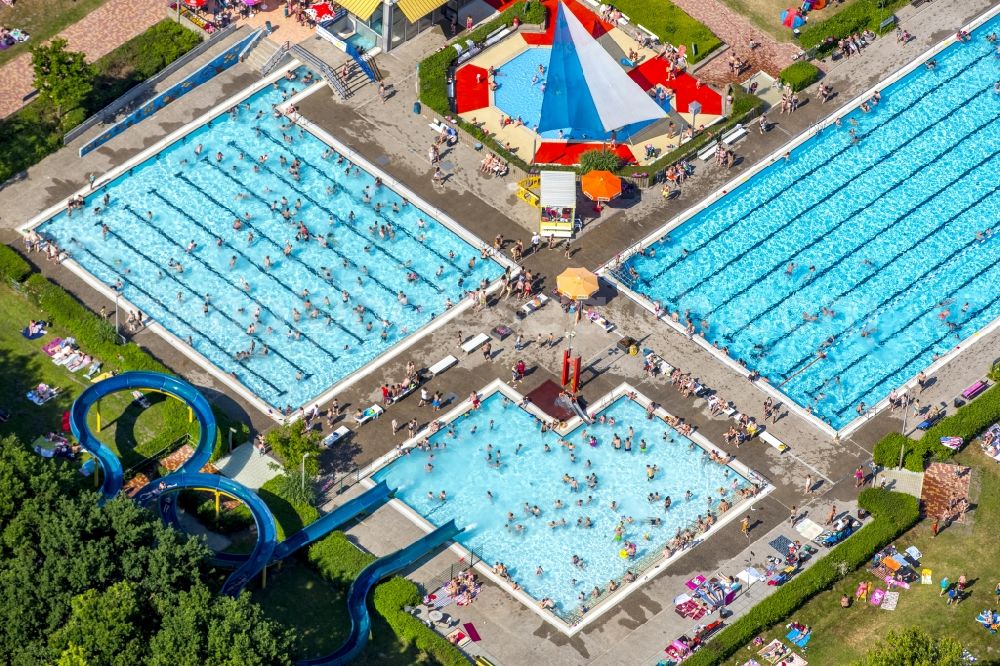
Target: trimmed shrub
(599, 160)
(12, 265)
(290, 517)
(338, 559)
(800, 75)
(886, 452)
(894, 513)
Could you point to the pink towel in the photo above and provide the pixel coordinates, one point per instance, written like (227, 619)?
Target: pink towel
(877, 597)
(695, 582)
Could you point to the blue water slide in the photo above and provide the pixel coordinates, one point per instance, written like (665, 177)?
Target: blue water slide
(111, 466)
(369, 577)
(267, 532)
(371, 498)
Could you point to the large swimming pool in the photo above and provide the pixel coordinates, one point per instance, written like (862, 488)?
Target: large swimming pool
(479, 494)
(314, 284)
(841, 272)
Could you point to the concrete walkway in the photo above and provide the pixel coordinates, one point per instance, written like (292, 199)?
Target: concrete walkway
(100, 31)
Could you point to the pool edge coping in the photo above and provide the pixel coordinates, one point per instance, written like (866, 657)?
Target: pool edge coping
(848, 429)
(612, 601)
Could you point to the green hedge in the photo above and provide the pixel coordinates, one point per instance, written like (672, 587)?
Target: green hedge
(290, 517)
(337, 558)
(862, 15)
(894, 514)
(340, 561)
(800, 75)
(389, 599)
(970, 420)
(12, 265)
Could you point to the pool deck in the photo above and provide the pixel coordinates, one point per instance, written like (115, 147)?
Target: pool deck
(396, 140)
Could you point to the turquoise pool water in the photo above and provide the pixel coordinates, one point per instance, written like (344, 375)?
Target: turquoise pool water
(176, 197)
(892, 235)
(529, 474)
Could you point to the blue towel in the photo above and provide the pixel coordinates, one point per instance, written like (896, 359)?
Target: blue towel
(802, 642)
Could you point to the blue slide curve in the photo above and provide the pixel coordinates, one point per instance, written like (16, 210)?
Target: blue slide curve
(188, 476)
(369, 577)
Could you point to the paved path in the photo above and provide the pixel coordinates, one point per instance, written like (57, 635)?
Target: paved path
(737, 31)
(100, 31)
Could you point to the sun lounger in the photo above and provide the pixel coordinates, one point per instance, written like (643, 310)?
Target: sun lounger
(708, 152)
(442, 365)
(734, 135)
(607, 325)
(773, 441)
(475, 342)
(340, 433)
(369, 414)
(974, 390)
(538, 301)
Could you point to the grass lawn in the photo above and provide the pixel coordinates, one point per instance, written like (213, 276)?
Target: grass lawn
(671, 24)
(131, 431)
(42, 20)
(317, 610)
(841, 636)
(766, 14)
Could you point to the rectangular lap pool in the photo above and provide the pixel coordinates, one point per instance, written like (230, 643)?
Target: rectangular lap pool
(513, 487)
(278, 260)
(841, 272)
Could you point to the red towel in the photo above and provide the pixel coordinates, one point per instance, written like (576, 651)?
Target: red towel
(471, 631)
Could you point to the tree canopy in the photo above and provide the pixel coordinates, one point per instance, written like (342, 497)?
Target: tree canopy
(62, 77)
(89, 584)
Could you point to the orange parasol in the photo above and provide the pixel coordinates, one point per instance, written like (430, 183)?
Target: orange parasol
(577, 283)
(601, 185)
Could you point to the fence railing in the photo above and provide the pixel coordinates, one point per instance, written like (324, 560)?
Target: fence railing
(275, 58)
(108, 114)
(324, 69)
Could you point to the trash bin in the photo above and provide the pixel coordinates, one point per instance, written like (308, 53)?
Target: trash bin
(416, 108)
(267, 27)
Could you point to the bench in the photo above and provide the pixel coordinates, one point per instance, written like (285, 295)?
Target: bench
(974, 390)
(607, 325)
(340, 433)
(889, 22)
(475, 342)
(442, 365)
(496, 36)
(734, 135)
(708, 152)
(773, 441)
(538, 301)
(369, 414)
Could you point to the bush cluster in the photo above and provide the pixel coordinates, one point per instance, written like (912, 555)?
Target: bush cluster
(970, 420)
(800, 75)
(894, 513)
(290, 516)
(13, 267)
(340, 561)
